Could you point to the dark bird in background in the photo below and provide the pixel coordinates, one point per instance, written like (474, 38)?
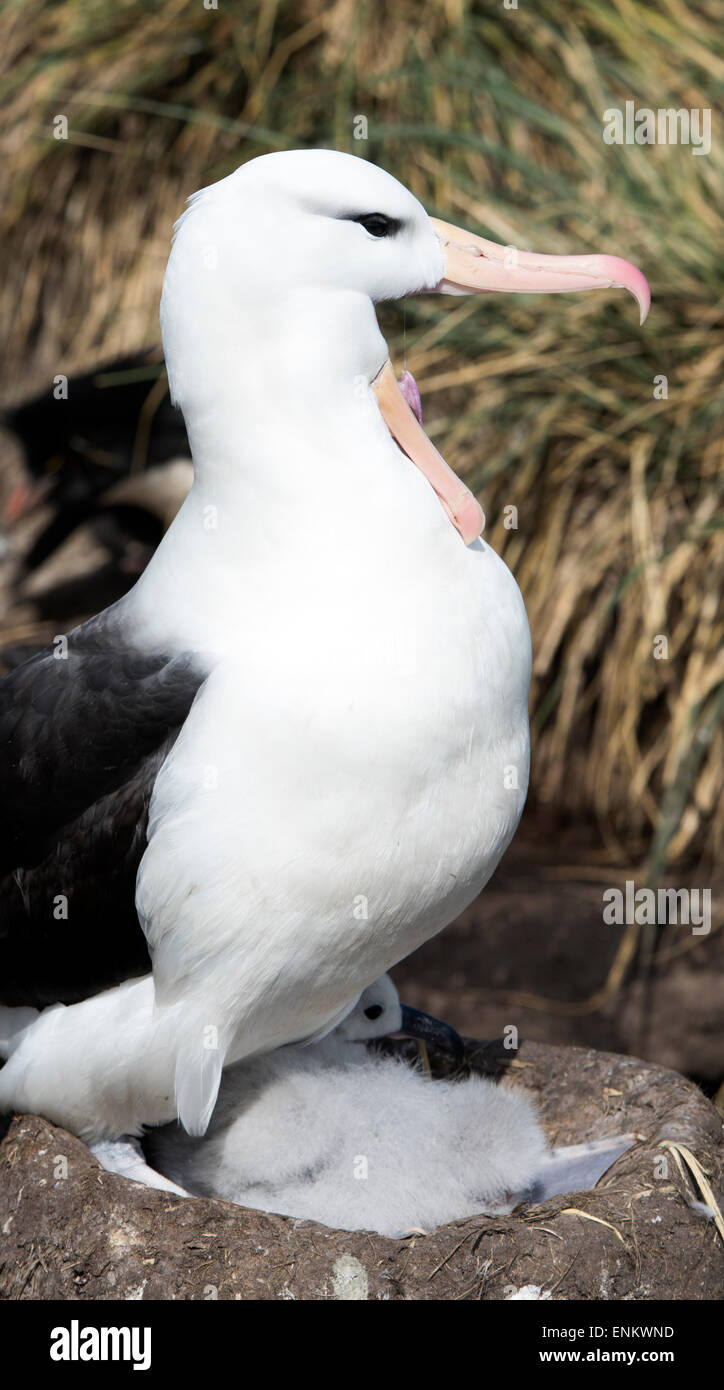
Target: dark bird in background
(116, 423)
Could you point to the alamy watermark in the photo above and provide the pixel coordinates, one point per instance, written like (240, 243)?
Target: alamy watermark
(658, 907)
(665, 126)
(76, 1343)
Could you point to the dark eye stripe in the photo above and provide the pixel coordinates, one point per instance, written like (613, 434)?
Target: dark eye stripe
(377, 223)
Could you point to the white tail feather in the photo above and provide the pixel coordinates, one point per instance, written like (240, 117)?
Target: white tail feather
(198, 1076)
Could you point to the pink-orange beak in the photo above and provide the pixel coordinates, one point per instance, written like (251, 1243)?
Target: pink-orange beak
(474, 265)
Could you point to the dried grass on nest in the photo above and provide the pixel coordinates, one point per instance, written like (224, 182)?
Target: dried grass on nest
(491, 116)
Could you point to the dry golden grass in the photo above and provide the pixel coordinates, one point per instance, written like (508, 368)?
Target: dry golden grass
(493, 117)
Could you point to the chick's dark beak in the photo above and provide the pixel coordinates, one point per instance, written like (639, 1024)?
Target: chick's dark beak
(416, 1024)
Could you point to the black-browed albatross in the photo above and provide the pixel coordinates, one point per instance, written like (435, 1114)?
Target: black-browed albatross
(302, 737)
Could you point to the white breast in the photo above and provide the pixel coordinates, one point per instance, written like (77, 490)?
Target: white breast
(347, 780)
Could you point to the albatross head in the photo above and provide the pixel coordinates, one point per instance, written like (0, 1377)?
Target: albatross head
(379, 1013)
(273, 277)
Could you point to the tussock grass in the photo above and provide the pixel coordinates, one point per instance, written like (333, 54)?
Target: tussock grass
(493, 118)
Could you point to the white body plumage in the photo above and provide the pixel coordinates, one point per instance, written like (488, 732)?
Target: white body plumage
(356, 761)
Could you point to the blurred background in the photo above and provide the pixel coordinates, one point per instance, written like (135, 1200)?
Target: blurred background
(114, 113)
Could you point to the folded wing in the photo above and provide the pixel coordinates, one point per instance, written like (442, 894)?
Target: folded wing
(84, 728)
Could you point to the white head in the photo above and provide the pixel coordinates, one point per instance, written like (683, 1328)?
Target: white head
(378, 1013)
(288, 226)
(270, 287)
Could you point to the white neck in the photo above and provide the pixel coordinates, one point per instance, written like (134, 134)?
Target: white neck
(291, 457)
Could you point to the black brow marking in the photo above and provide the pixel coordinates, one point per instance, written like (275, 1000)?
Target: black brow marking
(392, 224)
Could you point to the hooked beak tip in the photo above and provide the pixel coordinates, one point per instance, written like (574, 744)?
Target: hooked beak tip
(626, 276)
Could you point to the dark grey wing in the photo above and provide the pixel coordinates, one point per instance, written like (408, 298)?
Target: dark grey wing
(83, 733)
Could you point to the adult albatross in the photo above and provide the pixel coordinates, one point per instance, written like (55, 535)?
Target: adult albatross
(301, 740)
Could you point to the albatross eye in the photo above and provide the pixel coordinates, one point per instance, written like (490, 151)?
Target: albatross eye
(373, 1011)
(378, 224)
